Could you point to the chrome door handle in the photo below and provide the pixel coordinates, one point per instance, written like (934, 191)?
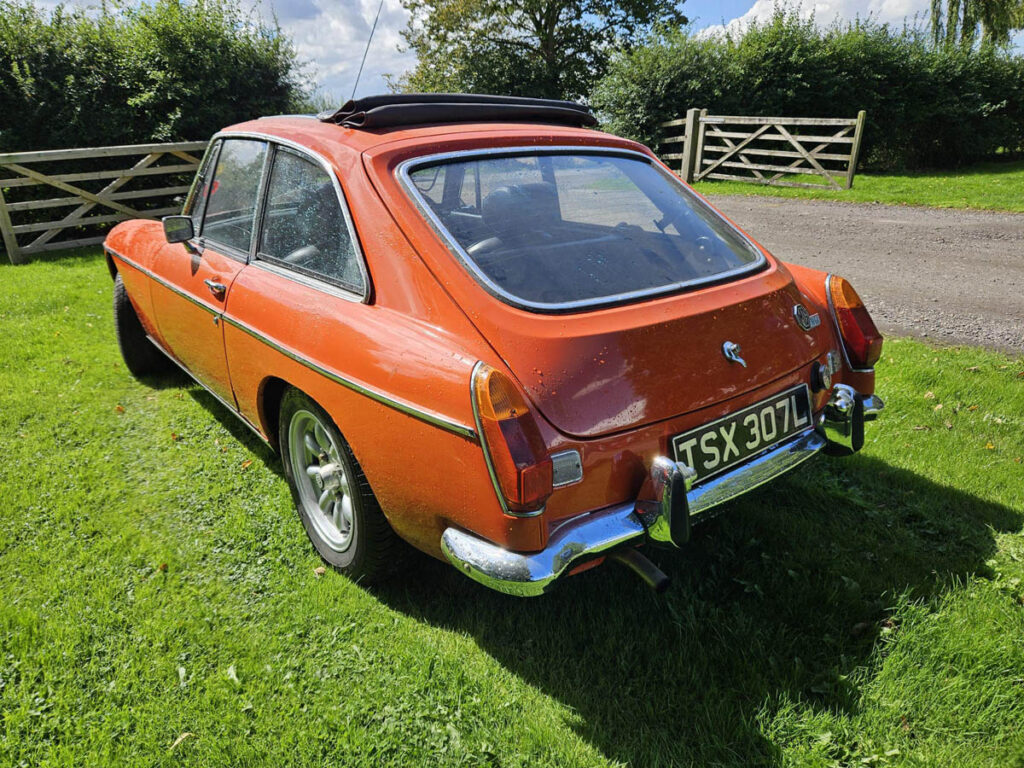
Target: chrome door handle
(217, 289)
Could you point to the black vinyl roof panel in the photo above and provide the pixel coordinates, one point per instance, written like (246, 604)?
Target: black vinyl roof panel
(402, 109)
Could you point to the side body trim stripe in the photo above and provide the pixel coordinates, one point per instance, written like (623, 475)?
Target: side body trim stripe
(384, 398)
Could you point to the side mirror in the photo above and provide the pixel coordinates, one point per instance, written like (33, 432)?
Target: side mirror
(178, 229)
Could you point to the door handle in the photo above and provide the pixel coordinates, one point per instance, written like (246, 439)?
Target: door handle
(217, 289)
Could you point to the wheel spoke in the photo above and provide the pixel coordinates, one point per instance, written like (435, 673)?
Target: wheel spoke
(344, 484)
(310, 442)
(337, 516)
(321, 438)
(346, 513)
(325, 500)
(313, 471)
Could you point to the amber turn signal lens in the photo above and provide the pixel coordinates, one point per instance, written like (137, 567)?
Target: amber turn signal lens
(497, 397)
(861, 338)
(520, 465)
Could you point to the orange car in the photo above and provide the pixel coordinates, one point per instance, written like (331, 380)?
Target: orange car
(477, 324)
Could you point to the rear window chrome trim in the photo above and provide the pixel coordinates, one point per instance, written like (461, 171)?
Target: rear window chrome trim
(403, 173)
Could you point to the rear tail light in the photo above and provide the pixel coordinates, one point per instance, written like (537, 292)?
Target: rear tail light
(516, 455)
(861, 338)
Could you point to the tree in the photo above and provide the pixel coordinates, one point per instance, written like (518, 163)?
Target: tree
(545, 48)
(164, 70)
(963, 22)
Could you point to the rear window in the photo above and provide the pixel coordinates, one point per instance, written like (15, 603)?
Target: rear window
(560, 231)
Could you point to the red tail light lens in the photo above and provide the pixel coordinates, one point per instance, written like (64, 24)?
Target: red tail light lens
(519, 463)
(861, 338)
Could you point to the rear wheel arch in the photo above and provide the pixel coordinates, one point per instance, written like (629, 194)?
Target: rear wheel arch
(271, 393)
(372, 549)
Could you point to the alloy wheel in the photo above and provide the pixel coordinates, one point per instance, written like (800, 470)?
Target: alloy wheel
(321, 479)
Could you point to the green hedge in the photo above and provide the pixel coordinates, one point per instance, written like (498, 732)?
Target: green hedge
(927, 107)
(164, 71)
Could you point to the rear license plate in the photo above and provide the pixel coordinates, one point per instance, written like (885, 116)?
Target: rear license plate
(731, 440)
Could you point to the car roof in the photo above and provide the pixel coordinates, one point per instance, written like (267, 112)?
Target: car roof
(336, 141)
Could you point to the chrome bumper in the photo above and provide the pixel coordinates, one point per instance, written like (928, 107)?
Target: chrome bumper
(666, 518)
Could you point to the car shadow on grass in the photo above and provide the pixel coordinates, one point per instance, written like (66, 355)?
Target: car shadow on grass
(230, 421)
(777, 601)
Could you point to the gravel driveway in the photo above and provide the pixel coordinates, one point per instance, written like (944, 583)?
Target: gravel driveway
(950, 275)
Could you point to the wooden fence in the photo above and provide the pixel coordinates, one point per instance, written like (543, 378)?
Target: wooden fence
(767, 150)
(25, 191)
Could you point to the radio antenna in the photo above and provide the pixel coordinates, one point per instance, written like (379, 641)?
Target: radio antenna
(372, 30)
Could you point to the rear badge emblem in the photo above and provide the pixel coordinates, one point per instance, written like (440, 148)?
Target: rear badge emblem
(732, 352)
(805, 319)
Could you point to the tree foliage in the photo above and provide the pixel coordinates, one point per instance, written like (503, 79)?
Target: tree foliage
(966, 22)
(927, 106)
(546, 48)
(164, 71)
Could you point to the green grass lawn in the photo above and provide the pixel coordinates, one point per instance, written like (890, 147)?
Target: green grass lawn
(161, 606)
(991, 186)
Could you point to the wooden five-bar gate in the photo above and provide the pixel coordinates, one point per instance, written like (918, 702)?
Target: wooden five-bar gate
(92, 192)
(767, 150)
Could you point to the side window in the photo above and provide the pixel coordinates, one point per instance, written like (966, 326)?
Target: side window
(195, 204)
(304, 227)
(231, 203)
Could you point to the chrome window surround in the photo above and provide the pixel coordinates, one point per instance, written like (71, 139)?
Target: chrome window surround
(405, 169)
(835, 325)
(384, 398)
(314, 282)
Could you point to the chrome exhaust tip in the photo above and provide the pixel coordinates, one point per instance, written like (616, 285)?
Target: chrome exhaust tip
(649, 573)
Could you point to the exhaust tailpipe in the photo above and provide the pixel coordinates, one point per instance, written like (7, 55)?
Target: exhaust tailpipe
(639, 564)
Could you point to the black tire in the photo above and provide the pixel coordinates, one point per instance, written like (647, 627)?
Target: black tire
(372, 550)
(141, 357)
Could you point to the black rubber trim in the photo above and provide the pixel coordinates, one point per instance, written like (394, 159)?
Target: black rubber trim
(679, 524)
(396, 110)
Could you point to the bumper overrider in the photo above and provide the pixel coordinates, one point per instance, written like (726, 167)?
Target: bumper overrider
(665, 519)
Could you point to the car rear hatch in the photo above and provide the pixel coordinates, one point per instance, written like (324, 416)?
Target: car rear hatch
(610, 370)
(613, 288)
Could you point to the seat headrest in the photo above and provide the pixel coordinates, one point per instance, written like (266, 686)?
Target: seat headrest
(519, 209)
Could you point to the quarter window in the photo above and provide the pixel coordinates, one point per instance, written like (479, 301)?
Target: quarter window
(304, 227)
(231, 203)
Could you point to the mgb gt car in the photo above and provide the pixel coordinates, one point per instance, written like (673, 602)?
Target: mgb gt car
(480, 326)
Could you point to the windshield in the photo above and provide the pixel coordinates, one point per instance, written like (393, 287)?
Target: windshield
(558, 231)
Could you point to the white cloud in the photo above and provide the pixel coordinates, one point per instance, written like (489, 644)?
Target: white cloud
(827, 11)
(331, 35)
